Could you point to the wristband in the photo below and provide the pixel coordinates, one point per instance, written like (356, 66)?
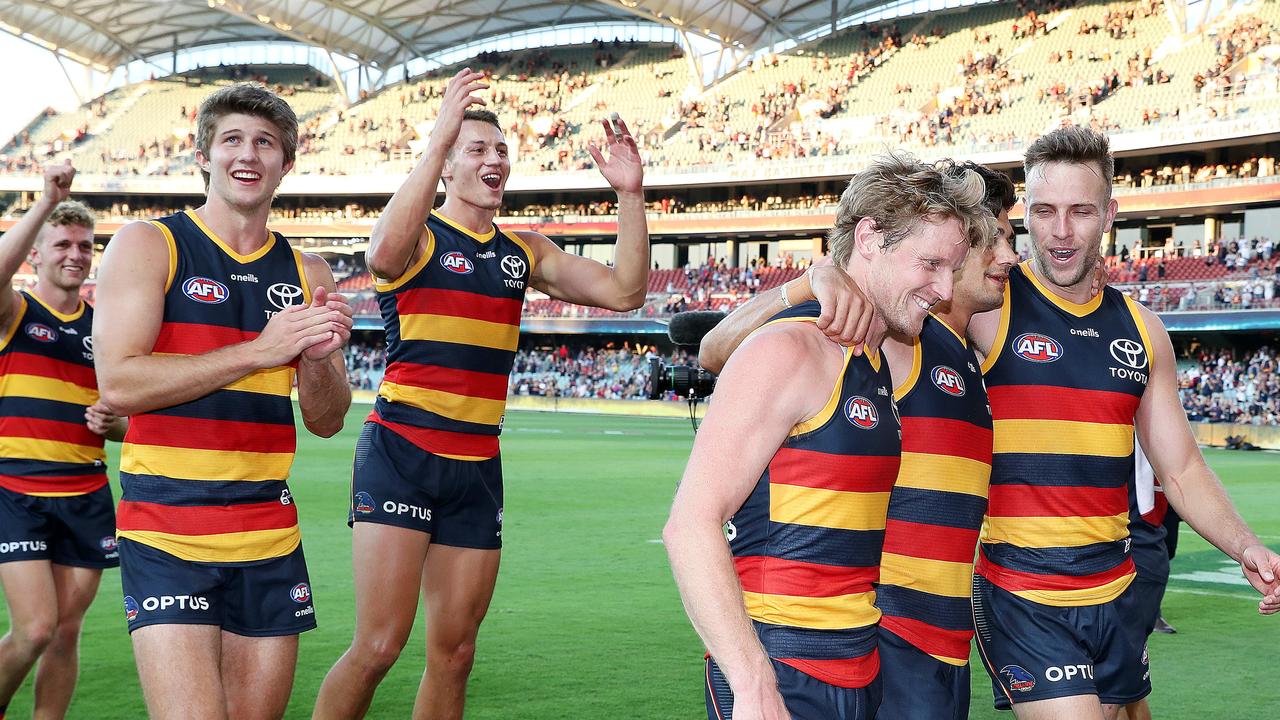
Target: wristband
(786, 301)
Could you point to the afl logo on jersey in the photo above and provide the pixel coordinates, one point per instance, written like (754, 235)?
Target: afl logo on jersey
(41, 332)
(862, 412)
(300, 593)
(206, 291)
(948, 381)
(456, 262)
(1037, 348)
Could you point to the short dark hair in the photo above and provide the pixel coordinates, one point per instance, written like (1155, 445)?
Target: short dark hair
(246, 99)
(1073, 145)
(1000, 197)
(482, 115)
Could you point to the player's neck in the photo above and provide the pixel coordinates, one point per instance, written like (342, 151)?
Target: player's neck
(858, 271)
(472, 217)
(63, 300)
(1078, 293)
(956, 316)
(243, 231)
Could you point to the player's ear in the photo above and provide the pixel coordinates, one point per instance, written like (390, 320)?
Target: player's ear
(866, 238)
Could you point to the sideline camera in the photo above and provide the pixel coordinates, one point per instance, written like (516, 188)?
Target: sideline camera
(689, 381)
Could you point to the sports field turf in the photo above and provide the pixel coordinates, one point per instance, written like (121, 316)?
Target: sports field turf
(586, 622)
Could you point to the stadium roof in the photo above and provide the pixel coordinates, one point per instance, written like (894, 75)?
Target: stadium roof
(384, 33)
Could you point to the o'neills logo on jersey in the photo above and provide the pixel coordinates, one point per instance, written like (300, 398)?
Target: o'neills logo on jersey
(456, 262)
(862, 412)
(948, 381)
(1037, 348)
(41, 332)
(204, 290)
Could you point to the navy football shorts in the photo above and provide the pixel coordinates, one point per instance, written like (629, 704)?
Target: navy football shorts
(76, 530)
(1143, 608)
(394, 482)
(1038, 652)
(918, 686)
(806, 697)
(266, 598)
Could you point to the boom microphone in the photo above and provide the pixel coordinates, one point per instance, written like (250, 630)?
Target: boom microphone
(688, 328)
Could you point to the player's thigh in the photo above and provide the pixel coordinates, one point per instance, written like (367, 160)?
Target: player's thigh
(1075, 707)
(457, 588)
(30, 592)
(179, 667)
(388, 568)
(76, 588)
(257, 674)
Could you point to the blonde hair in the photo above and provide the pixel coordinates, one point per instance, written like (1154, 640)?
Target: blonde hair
(71, 212)
(896, 191)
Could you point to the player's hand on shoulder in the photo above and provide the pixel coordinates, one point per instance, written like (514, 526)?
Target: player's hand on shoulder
(846, 314)
(1099, 278)
(623, 168)
(459, 95)
(57, 181)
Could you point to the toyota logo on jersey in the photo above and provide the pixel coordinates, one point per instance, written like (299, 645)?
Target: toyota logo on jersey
(456, 262)
(283, 295)
(513, 266)
(862, 412)
(1037, 348)
(206, 291)
(948, 381)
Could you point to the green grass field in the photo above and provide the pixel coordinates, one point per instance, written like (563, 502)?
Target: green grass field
(586, 622)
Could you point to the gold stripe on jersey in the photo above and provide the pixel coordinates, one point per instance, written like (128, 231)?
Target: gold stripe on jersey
(833, 400)
(26, 448)
(1062, 437)
(46, 388)
(1002, 332)
(1080, 597)
(450, 405)
(412, 271)
(460, 330)
(917, 356)
(242, 259)
(302, 276)
(173, 252)
(944, 473)
(62, 317)
(819, 507)
(199, 464)
(837, 612)
(528, 251)
(938, 577)
(276, 381)
(1054, 532)
(1141, 324)
(478, 237)
(1077, 309)
(226, 547)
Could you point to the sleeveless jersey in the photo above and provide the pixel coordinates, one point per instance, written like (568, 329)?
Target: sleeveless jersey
(1064, 381)
(46, 382)
(806, 543)
(205, 480)
(939, 499)
(453, 324)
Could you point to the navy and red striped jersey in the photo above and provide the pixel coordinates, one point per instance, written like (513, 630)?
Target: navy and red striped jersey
(939, 499)
(46, 383)
(1065, 381)
(205, 480)
(453, 325)
(806, 543)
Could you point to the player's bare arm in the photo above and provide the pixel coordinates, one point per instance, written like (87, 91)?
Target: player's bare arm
(576, 279)
(846, 314)
(15, 245)
(127, 320)
(323, 392)
(396, 241)
(1191, 487)
(733, 446)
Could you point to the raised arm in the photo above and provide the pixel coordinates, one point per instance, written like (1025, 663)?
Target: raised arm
(15, 245)
(1191, 487)
(127, 320)
(846, 314)
(324, 396)
(734, 445)
(576, 279)
(396, 240)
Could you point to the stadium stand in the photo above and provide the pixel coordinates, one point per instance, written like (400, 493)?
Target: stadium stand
(1222, 385)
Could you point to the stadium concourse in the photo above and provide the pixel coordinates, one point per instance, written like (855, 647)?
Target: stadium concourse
(749, 122)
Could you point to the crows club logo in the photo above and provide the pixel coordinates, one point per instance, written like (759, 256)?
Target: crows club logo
(283, 295)
(1037, 348)
(41, 332)
(514, 266)
(131, 608)
(948, 380)
(364, 503)
(456, 262)
(205, 291)
(862, 412)
(1018, 677)
(301, 593)
(1129, 353)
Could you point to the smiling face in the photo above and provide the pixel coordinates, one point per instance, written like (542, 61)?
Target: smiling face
(980, 282)
(477, 167)
(916, 273)
(1069, 207)
(63, 255)
(245, 162)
